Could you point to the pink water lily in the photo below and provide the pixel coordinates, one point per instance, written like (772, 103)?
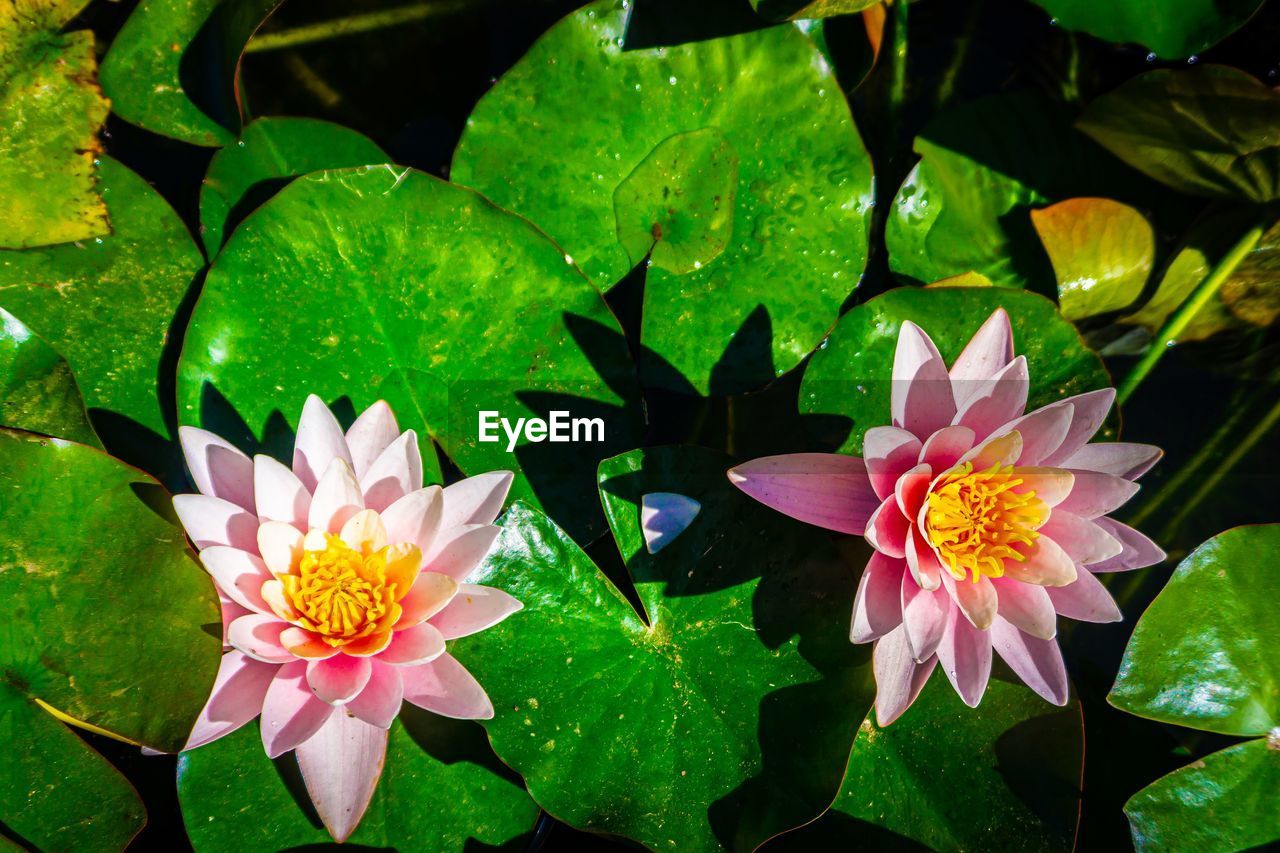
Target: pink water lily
(987, 523)
(341, 580)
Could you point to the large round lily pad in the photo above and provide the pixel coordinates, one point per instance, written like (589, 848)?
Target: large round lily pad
(720, 717)
(676, 151)
(385, 283)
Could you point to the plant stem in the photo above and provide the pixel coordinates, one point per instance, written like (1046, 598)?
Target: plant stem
(898, 57)
(947, 87)
(347, 26)
(1180, 319)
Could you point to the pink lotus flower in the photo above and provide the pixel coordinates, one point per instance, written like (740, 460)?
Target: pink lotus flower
(341, 580)
(987, 523)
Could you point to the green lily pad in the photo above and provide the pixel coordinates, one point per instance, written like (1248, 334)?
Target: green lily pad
(1102, 253)
(1208, 131)
(984, 165)
(721, 717)
(1195, 658)
(1170, 30)
(50, 114)
(441, 789)
(799, 10)
(849, 379)
(172, 68)
(1005, 776)
(107, 306)
(384, 283)
(270, 153)
(38, 393)
(660, 137)
(1224, 802)
(108, 619)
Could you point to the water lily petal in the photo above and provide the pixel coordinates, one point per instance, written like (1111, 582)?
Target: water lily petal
(476, 500)
(1086, 599)
(364, 532)
(988, 351)
(319, 442)
(1046, 565)
(1028, 607)
(412, 646)
(236, 698)
(1042, 431)
(1037, 662)
(1085, 541)
(456, 552)
(943, 449)
(877, 606)
(912, 488)
(1051, 485)
(273, 594)
(305, 644)
(368, 646)
(379, 702)
(976, 598)
(922, 560)
(430, 593)
(924, 616)
(218, 469)
(997, 401)
(281, 495)
(338, 679)
(340, 765)
(214, 521)
(239, 574)
(337, 498)
(473, 609)
(1138, 551)
(396, 473)
(280, 545)
(416, 518)
(291, 713)
(965, 655)
(1089, 410)
(257, 635)
(1120, 458)
(371, 434)
(446, 688)
(921, 401)
(887, 529)
(899, 678)
(1000, 450)
(664, 516)
(1095, 494)
(829, 490)
(231, 611)
(888, 452)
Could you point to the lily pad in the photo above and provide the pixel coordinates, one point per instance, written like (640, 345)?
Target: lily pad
(1102, 253)
(721, 716)
(1208, 131)
(173, 67)
(385, 283)
(849, 378)
(1003, 777)
(676, 149)
(1195, 658)
(441, 789)
(1170, 30)
(799, 10)
(271, 152)
(109, 622)
(50, 114)
(1224, 802)
(38, 393)
(107, 306)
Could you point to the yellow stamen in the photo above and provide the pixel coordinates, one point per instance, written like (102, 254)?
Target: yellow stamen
(977, 521)
(342, 594)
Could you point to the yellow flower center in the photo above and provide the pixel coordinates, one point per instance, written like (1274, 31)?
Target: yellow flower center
(977, 521)
(340, 593)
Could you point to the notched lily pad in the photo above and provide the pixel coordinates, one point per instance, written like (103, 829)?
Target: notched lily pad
(38, 393)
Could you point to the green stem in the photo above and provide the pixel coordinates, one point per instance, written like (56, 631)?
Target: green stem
(1180, 319)
(898, 56)
(348, 25)
(947, 87)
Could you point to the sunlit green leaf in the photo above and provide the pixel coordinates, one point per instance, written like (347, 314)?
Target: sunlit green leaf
(37, 391)
(1171, 30)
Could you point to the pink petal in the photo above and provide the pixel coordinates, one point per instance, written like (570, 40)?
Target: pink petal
(965, 655)
(379, 702)
(230, 613)
(1095, 494)
(430, 593)
(281, 495)
(998, 400)
(1122, 459)
(999, 450)
(1090, 410)
(989, 350)
(338, 679)
(899, 678)
(664, 516)
(473, 609)
(218, 469)
(825, 489)
(920, 398)
(1084, 541)
(319, 442)
(371, 433)
(290, 712)
(396, 473)
(337, 498)
(1028, 607)
(1051, 485)
(1037, 662)
(416, 645)
(257, 635)
(944, 448)
(1046, 565)
(1086, 600)
(214, 521)
(458, 551)
(340, 765)
(888, 452)
(1042, 431)
(415, 518)
(237, 697)
(922, 560)
(476, 500)
(887, 529)
(976, 599)
(924, 616)
(912, 488)
(446, 688)
(877, 606)
(280, 545)
(306, 644)
(1139, 551)
(239, 574)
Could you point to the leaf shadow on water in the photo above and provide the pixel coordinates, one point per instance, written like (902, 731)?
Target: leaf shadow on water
(210, 63)
(1038, 770)
(669, 23)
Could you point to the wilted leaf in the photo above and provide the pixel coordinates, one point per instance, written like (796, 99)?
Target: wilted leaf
(1102, 252)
